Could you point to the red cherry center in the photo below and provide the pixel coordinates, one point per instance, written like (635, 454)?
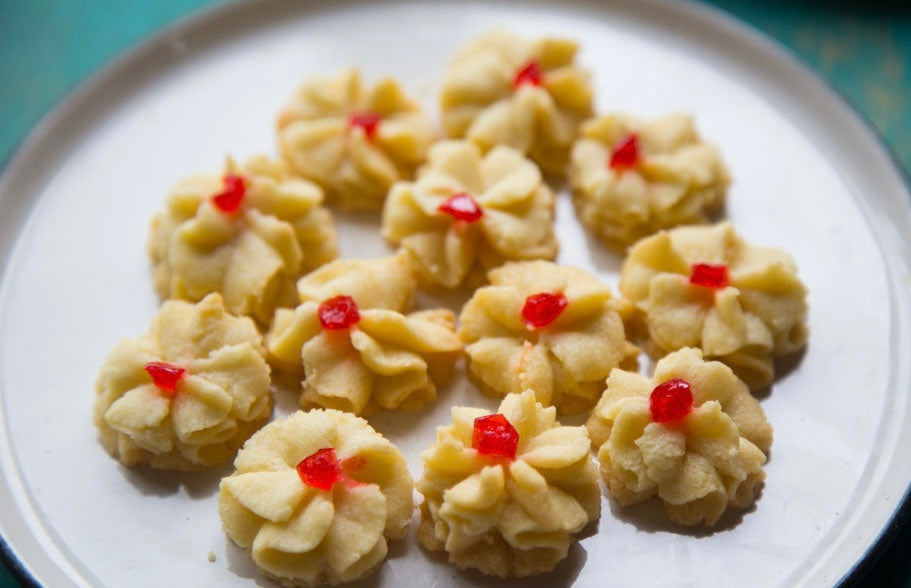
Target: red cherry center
(353, 464)
(626, 152)
(320, 470)
(671, 400)
(709, 275)
(494, 435)
(542, 309)
(369, 121)
(165, 376)
(529, 74)
(338, 313)
(462, 207)
(230, 199)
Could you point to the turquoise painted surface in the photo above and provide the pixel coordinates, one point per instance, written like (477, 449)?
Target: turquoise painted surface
(6, 579)
(862, 47)
(48, 46)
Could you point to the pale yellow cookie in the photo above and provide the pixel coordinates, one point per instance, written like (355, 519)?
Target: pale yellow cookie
(631, 178)
(506, 493)
(379, 282)
(353, 141)
(706, 287)
(248, 234)
(316, 497)
(189, 393)
(551, 328)
(354, 346)
(467, 213)
(692, 435)
(528, 94)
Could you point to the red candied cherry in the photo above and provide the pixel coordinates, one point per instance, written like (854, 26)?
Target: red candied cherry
(671, 400)
(338, 313)
(494, 435)
(709, 275)
(369, 121)
(320, 470)
(165, 376)
(542, 309)
(462, 207)
(530, 74)
(353, 464)
(230, 199)
(625, 153)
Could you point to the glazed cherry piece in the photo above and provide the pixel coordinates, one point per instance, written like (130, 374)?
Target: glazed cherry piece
(320, 470)
(230, 199)
(165, 376)
(348, 467)
(338, 313)
(529, 74)
(495, 436)
(671, 400)
(626, 152)
(709, 275)
(462, 207)
(353, 464)
(369, 121)
(540, 310)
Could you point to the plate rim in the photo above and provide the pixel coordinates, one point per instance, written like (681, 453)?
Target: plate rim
(145, 50)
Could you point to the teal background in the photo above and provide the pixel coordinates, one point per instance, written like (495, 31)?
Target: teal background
(47, 47)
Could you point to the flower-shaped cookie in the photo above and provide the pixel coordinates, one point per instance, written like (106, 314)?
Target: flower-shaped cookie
(631, 178)
(315, 498)
(357, 350)
(705, 287)
(352, 141)
(506, 493)
(691, 435)
(189, 393)
(467, 213)
(503, 89)
(248, 234)
(554, 329)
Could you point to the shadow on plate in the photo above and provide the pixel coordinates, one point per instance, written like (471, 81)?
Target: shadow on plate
(565, 574)
(240, 564)
(784, 366)
(286, 392)
(604, 258)
(403, 424)
(197, 485)
(649, 516)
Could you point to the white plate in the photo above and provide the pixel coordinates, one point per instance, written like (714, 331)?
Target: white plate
(809, 177)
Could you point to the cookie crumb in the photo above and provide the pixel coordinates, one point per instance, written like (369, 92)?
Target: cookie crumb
(211, 556)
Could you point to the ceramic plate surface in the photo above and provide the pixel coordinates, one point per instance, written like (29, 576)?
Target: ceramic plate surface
(809, 177)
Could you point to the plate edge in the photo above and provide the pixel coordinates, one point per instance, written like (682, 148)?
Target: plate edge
(159, 40)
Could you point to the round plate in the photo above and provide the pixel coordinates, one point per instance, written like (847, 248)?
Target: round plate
(809, 177)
